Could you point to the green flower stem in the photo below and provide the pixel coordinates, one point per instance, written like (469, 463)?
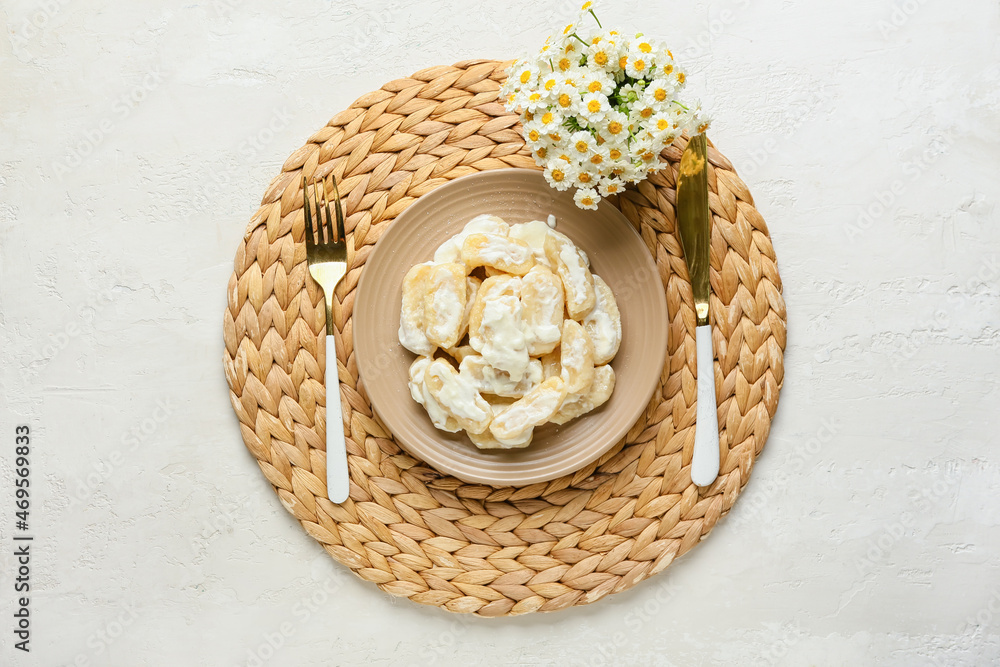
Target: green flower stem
(596, 19)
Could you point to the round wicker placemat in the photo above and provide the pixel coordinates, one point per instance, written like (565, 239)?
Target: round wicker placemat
(433, 538)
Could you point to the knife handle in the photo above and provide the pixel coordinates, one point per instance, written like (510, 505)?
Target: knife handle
(338, 481)
(705, 461)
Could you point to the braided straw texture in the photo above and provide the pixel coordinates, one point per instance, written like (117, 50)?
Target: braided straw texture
(430, 537)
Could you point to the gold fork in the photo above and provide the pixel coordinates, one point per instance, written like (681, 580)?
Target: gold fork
(327, 259)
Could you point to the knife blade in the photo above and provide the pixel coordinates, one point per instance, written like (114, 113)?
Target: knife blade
(694, 224)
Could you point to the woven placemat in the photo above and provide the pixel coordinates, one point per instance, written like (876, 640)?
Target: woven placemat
(431, 537)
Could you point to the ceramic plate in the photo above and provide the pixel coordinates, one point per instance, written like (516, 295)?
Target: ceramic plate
(617, 254)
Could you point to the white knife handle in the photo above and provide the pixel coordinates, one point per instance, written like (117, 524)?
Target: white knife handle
(705, 461)
(338, 485)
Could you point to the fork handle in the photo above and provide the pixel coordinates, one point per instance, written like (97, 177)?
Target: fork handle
(338, 481)
(705, 460)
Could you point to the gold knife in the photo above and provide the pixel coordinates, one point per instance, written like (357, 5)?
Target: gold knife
(695, 226)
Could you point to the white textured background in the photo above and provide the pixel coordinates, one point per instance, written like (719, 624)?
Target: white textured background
(136, 139)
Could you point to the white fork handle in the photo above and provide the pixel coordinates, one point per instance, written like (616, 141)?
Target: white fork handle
(705, 461)
(338, 485)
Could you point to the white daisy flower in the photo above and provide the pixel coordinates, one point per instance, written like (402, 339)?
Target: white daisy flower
(594, 106)
(581, 144)
(566, 99)
(552, 121)
(559, 174)
(587, 198)
(603, 53)
(597, 82)
(659, 92)
(638, 66)
(599, 159)
(610, 186)
(662, 123)
(526, 74)
(640, 114)
(535, 134)
(613, 126)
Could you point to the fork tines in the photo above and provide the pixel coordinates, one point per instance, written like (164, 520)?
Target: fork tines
(332, 235)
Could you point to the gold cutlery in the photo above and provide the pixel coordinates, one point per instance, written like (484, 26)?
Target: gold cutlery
(695, 225)
(327, 259)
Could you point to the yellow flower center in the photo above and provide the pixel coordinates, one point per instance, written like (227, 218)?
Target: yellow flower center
(557, 175)
(541, 152)
(555, 136)
(702, 128)
(595, 40)
(565, 64)
(615, 154)
(646, 113)
(612, 188)
(600, 140)
(618, 171)
(601, 58)
(568, 29)
(640, 65)
(564, 100)
(586, 6)
(510, 98)
(594, 87)
(670, 54)
(587, 201)
(597, 159)
(623, 62)
(593, 106)
(668, 68)
(662, 124)
(585, 177)
(525, 76)
(535, 97)
(547, 118)
(550, 84)
(535, 136)
(581, 146)
(680, 77)
(660, 95)
(645, 47)
(614, 127)
(529, 116)
(647, 156)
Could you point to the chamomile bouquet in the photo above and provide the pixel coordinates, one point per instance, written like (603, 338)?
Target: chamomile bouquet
(598, 107)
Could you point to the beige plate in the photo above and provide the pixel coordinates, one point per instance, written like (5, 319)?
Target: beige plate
(617, 254)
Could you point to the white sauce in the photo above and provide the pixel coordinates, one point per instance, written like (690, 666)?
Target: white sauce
(457, 394)
(501, 251)
(447, 306)
(603, 324)
(533, 233)
(576, 270)
(505, 346)
(451, 250)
